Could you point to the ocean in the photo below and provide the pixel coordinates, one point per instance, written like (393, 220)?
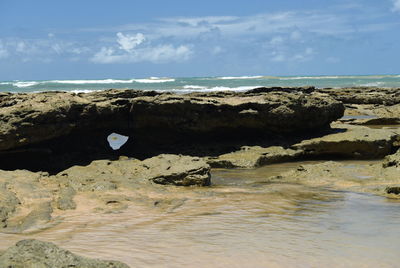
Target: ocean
(202, 84)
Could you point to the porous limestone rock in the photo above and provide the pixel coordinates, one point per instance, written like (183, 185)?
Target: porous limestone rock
(38, 254)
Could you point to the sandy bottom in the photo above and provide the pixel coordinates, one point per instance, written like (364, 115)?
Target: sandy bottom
(239, 222)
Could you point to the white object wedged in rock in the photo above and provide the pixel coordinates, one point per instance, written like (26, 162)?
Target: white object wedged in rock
(116, 140)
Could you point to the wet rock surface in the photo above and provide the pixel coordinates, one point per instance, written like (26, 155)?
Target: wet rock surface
(53, 133)
(254, 156)
(49, 128)
(368, 105)
(28, 199)
(34, 254)
(364, 95)
(343, 141)
(352, 142)
(30, 118)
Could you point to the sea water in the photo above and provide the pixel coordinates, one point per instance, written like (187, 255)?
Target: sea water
(202, 84)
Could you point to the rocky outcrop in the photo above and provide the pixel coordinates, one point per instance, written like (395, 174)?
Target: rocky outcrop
(364, 95)
(162, 169)
(34, 254)
(254, 156)
(392, 160)
(352, 142)
(371, 178)
(28, 199)
(345, 141)
(32, 118)
(368, 105)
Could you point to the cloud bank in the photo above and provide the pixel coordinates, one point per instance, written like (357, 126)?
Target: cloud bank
(396, 5)
(133, 49)
(287, 37)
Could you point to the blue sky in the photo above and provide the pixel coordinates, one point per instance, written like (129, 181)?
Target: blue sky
(126, 39)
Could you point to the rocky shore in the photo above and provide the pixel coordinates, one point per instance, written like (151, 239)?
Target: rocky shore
(55, 157)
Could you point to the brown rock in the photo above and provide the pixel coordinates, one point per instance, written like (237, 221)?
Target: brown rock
(34, 254)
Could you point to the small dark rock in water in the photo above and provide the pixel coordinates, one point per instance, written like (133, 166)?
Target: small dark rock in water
(393, 190)
(37, 254)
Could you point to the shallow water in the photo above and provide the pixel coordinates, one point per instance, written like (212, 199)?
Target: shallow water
(240, 222)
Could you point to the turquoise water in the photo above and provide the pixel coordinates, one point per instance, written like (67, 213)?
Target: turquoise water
(191, 84)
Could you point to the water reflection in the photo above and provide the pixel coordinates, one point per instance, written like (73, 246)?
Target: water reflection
(239, 222)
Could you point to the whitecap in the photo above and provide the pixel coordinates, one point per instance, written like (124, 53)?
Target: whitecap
(237, 89)
(373, 84)
(239, 77)
(83, 90)
(211, 89)
(101, 81)
(25, 84)
(194, 87)
(154, 80)
(312, 77)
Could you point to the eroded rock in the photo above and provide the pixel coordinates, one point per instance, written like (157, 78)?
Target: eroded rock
(28, 199)
(254, 156)
(38, 254)
(352, 142)
(163, 169)
(392, 160)
(340, 176)
(364, 95)
(35, 117)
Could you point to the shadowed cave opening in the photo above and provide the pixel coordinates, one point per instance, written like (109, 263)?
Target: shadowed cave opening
(83, 147)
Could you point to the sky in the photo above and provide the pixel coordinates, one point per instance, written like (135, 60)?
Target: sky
(47, 39)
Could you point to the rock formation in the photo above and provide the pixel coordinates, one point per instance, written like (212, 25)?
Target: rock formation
(34, 254)
(28, 199)
(55, 130)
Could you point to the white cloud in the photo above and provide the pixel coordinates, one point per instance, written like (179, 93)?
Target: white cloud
(79, 50)
(129, 42)
(40, 50)
(198, 21)
(287, 56)
(333, 60)
(3, 51)
(57, 48)
(278, 57)
(396, 5)
(128, 52)
(305, 55)
(21, 47)
(295, 22)
(277, 40)
(296, 35)
(217, 50)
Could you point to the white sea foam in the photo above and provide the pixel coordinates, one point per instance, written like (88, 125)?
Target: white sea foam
(154, 80)
(211, 89)
(311, 77)
(239, 77)
(101, 81)
(84, 90)
(373, 84)
(194, 87)
(242, 88)
(25, 84)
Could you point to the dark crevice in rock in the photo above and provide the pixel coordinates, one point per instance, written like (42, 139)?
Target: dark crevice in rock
(81, 148)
